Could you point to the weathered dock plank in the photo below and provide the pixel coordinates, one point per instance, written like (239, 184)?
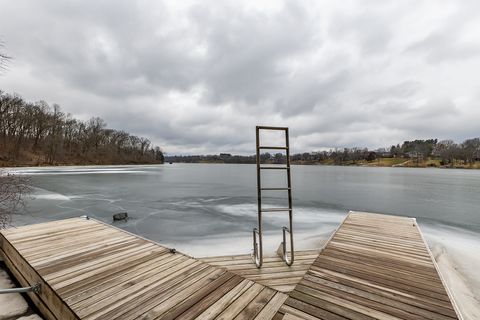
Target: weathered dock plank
(90, 270)
(373, 267)
(274, 272)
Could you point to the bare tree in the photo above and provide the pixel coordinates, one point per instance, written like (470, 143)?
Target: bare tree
(471, 149)
(446, 150)
(144, 145)
(13, 190)
(3, 58)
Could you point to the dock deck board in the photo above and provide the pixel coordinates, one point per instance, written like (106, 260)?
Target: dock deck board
(373, 267)
(274, 272)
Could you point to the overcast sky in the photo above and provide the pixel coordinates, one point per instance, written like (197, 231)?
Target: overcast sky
(196, 77)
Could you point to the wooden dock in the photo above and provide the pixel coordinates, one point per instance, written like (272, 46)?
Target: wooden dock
(89, 270)
(274, 273)
(373, 267)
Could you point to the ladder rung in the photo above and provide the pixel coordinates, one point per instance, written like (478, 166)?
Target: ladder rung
(275, 168)
(271, 128)
(273, 148)
(275, 189)
(275, 209)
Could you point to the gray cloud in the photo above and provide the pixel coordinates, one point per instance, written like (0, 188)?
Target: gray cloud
(444, 47)
(196, 77)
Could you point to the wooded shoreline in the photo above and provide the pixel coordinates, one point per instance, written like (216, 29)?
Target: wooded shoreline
(37, 134)
(79, 164)
(297, 163)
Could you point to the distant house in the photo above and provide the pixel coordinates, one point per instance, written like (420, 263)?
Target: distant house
(383, 153)
(414, 155)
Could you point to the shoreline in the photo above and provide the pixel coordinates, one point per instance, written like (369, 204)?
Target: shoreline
(228, 163)
(75, 165)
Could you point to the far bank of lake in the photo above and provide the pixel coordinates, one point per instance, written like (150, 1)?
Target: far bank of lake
(379, 162)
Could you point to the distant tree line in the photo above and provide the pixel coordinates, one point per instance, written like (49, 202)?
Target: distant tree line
(221, 158)
(336, 156)
(38, 133)
(339, 156)
(447, 151)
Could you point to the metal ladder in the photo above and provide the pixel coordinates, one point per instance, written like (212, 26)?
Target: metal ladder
(257, 232)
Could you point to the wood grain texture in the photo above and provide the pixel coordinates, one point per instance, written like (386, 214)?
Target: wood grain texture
(90, 270)
(274, 272)
(373, 267)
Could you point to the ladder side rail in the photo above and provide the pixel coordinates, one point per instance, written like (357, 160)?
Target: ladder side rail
(288, 261)
(258, 247)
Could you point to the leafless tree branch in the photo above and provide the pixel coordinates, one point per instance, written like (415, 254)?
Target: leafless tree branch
(4, 58)
(13, 190)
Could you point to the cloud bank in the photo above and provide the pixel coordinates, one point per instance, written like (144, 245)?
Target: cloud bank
(196, 77)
